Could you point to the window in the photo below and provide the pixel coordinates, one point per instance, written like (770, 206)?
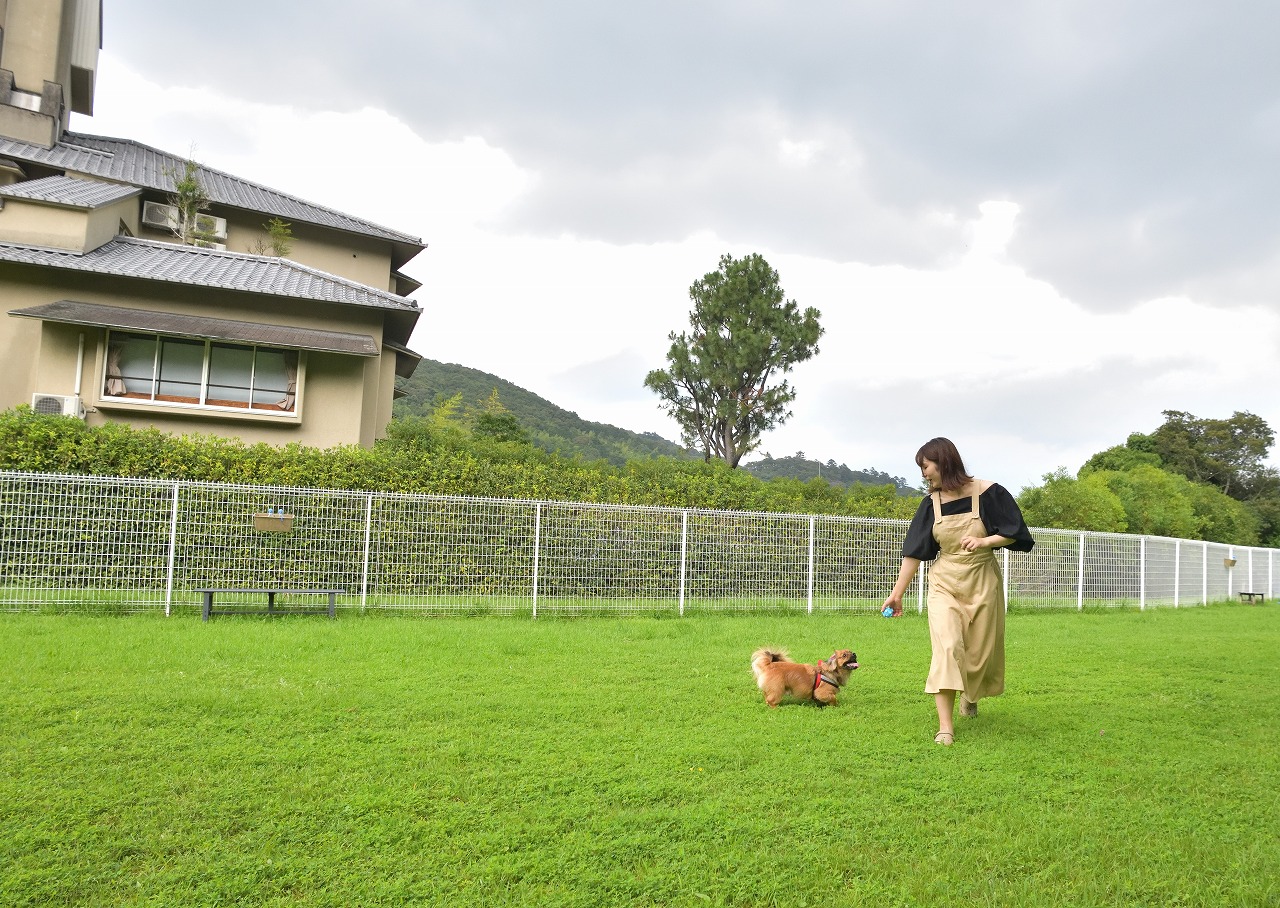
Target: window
(152, 367)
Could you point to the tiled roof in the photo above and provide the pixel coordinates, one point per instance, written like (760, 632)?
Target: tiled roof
(71, 312)
(171, 263)
(69, 191)
(126, 161)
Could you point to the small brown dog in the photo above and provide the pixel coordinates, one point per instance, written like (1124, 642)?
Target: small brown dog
(777, 676)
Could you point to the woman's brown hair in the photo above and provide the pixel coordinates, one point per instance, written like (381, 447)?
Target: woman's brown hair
(942, 451)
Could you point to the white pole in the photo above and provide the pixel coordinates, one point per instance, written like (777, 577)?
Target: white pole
(810, 595)
(684, 550)
(364, 568)
(1231, 572)
(173, 550)
(537, 537)
(1177, 569)
(1142, 573)
(79, 364)
(1080, 577)
(1204, 574)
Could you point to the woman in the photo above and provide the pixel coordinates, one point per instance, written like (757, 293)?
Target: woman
(960, 524)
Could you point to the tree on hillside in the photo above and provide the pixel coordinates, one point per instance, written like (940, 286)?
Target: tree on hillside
(1225, 453)
(1156, 502)
(1123, 457)
(497, 422)
(722, 378)
(1067, 503)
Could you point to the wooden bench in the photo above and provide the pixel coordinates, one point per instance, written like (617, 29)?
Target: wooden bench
(1252, 597)
(209, 592)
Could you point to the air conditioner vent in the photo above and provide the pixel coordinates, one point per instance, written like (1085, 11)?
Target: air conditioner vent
(160, 216)
(211, 227)
(58, 405)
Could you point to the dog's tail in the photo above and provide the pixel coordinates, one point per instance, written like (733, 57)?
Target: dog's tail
(764, 656)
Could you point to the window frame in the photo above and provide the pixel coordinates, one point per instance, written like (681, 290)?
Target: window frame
(153, 399)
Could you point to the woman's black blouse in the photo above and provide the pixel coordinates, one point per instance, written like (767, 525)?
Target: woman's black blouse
(999, 513)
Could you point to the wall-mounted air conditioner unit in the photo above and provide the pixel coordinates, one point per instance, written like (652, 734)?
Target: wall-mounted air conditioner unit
(159, 216)
(214, 228)
(58, 405)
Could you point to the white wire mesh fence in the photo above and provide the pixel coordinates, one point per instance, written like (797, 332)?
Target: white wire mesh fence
(125, 545)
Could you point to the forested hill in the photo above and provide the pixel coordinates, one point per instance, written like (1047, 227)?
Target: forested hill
(548, 426)
(555, 429)
(798, 467)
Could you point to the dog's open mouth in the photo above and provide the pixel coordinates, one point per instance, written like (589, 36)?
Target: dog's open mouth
(851, 662)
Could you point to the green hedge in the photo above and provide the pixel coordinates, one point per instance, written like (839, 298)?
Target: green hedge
(418, 457)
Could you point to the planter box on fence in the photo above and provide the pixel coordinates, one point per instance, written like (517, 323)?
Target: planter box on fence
(273, 523)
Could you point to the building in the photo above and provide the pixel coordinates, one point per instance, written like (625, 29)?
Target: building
(110, 316)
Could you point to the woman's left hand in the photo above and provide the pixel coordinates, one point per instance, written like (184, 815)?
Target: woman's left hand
(972, 543)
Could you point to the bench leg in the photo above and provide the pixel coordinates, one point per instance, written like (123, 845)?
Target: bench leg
(271, 603)
(207, 607)
(331, 605)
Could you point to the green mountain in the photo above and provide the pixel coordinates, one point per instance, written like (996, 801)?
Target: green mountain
(548, 426)
(798, 467)
(555, 429)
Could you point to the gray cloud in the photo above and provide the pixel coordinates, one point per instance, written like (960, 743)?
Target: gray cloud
(1065, 418)
(1139, 138)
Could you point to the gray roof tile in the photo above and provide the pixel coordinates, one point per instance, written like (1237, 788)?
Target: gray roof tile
(126, 161)
(69, 191)
(171, 263)
(72, 312)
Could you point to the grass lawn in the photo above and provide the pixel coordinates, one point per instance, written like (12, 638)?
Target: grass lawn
(491, 762)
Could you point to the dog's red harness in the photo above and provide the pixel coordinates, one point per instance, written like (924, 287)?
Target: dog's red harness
(820, 677)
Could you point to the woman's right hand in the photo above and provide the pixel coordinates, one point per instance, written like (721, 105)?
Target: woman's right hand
(894, 602)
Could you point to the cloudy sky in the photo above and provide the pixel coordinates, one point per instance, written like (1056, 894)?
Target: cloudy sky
(1030, 227)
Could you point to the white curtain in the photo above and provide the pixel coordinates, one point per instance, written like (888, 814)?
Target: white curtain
(291, 377)
(115, 381)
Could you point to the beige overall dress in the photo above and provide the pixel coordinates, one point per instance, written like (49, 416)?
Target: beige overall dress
(966, 609)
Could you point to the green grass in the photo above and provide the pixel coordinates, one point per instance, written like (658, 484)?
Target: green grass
(492, 762)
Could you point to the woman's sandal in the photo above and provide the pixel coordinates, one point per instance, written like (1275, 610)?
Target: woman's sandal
(968, 709)
(945, 738)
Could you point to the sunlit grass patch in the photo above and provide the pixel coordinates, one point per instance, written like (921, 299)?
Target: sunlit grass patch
(631, 761)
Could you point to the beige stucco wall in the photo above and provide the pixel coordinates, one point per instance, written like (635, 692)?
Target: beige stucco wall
(385, 394)
(76, 229)
(33, 40)
(51, 48)
(364, 260)
(26, 126)
(19, 352)
(341, 397)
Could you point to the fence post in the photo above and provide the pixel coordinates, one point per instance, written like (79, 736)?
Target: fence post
(810, 594)
(1142, 573)
(364, 568)
(1080, 577)
(1177, 570)
(537, 539)
(173, 551)
(1204, 573)
(1231, 573)
(684, 550)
